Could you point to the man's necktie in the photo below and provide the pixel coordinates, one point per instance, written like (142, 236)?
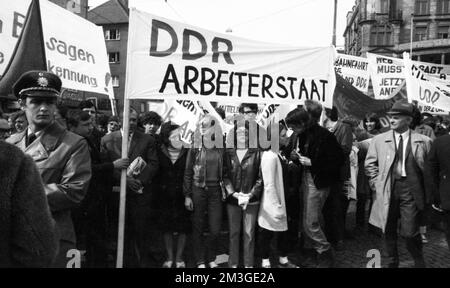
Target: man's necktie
(399, 163)
(30, 139)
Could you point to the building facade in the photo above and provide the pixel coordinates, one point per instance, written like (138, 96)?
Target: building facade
(391, 27)
(113, 17)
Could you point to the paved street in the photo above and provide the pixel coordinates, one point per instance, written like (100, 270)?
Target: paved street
(437, 255)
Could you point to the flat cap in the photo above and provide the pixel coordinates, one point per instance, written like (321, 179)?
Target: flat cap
(37, 84)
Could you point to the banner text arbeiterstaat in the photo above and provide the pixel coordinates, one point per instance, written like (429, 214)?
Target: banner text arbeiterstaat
(206, 81)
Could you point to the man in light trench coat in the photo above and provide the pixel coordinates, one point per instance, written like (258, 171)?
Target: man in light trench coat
(395, 168)
(62, 157)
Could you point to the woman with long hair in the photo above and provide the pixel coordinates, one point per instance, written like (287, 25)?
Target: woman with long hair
(202, 188)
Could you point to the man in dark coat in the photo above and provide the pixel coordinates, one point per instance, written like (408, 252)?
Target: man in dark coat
(90, 218)
(335, 209)
(438, 171)
(27, 229)
(321, 156)
(137, 226)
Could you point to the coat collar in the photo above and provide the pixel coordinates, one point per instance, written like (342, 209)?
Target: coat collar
(49, 139)
(165, 151)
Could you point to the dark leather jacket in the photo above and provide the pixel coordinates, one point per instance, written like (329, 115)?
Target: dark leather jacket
(243, 177)
(325, 153)
(195, 172)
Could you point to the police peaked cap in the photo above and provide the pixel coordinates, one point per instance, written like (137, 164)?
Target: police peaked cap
(37, 84)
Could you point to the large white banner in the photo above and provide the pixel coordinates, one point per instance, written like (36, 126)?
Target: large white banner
(167, 59)
(77, 55)
(387, 75)
(353, 69)
(426, 88)
(12, 19)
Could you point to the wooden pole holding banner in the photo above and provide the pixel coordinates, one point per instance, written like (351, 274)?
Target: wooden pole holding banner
(123, 184)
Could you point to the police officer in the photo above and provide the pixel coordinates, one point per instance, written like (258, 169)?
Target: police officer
(62, 157)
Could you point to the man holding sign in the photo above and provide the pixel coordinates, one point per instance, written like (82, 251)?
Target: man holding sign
(141, 146)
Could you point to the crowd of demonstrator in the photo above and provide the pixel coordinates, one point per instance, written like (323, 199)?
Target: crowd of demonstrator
(62, 193)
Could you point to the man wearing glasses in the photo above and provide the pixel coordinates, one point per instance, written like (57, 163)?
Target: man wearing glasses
(249, 110)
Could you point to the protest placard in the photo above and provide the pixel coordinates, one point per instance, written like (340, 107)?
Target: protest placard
(354, 70)
(426, 88)
(81, 65)
(387, 75)
(173, 60)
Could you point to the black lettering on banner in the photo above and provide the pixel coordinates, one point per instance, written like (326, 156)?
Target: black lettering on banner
(251, 84)
(156, 26)
(187, 33)
(19, 21)
(73, 52)
(427, 96)
(361, 82)
(303, 89)
(219, 82)
(314, 90)
(231, 84)
(384, 60)
(324, 83)
(240, 74)
(280, 85)
(189, 80)
(2, 57)
(265, 87)
(216, 52)
(170, 77)
(205, 81)
(351, 80)
(291, 85)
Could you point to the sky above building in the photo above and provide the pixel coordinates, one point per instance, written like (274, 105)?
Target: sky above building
(291, 22)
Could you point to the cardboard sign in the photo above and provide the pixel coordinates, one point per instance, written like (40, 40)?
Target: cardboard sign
(387, 75)
(426, 88)
(81, 65)
(353, 69)
(167, 59)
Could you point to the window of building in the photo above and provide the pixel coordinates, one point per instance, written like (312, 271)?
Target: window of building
(420, 33)
(422, 7)
(112, 34)
(381, 35)
(114, 57)
(443, 7)
(115, 81)
(384, 6)
(443, 31)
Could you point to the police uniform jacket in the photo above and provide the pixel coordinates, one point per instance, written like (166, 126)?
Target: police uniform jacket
(63, 161)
